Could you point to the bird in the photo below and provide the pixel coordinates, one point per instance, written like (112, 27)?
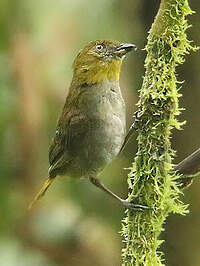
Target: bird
(91, 129)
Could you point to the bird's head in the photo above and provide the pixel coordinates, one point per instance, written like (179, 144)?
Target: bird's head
(100, 60)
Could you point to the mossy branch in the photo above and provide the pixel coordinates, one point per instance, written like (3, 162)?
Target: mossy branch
(151, 180)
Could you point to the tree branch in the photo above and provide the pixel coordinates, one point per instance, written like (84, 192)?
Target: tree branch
(152, 181)
(189, 168)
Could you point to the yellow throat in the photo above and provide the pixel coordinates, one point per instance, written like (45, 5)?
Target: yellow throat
(96, 72)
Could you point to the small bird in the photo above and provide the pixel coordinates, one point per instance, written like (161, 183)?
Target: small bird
(92, 126)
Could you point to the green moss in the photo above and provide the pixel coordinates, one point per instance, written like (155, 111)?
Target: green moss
(150, 181)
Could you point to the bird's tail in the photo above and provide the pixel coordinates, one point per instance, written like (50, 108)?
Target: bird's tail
(42, 191)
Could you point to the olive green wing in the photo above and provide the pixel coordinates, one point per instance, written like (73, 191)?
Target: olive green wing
(59, 144)
(56, 151)
(57, 147)
(69, 134)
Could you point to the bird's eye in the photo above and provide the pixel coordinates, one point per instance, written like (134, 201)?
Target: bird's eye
(99, 47)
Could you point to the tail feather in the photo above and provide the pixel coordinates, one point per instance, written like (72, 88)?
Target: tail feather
(42, 192)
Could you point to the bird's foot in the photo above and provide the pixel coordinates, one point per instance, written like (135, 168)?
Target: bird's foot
(135, 207)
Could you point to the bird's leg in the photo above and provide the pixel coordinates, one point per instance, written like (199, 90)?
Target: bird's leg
(128, 136)
(126, 204)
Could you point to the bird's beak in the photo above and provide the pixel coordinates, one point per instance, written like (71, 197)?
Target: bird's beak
(124, 48)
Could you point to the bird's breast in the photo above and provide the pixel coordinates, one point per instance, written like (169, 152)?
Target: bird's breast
(103, 125)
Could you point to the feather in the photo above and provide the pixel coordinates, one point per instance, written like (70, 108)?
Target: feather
(42, 192)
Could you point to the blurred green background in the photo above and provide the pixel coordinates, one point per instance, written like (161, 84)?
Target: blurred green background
(75, 224)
